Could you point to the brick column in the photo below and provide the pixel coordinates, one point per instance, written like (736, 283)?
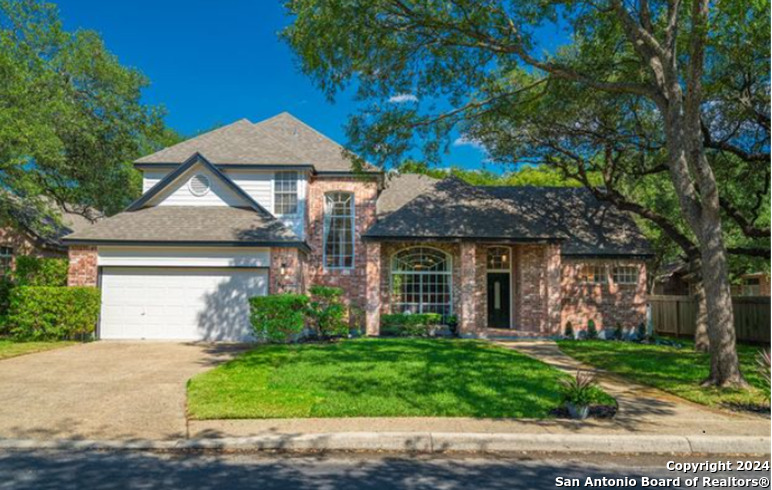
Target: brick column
(83, 266)
(373, 286)
(468, 321)
(553, 288)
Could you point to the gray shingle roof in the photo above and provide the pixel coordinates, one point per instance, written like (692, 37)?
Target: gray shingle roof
(194, 224)
(238, 143)
(452, 209)
(400, 189)
(280, 140)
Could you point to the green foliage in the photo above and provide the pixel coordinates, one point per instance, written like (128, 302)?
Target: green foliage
(579, 390)
(641, 331)
(327, 312)
(378, 378)
(569, 332)
(679, 371)
(409, 325)
(592, 332)
(618, 331)
(53, 313)
(37, 271)
(278, 317)
(71, 116)
(765, 371)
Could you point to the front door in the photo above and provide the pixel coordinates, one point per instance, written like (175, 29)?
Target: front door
(498, 300)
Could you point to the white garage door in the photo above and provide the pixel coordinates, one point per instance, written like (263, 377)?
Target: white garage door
(178, 303)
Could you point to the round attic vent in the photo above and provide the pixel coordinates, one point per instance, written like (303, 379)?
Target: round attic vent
(199, 185)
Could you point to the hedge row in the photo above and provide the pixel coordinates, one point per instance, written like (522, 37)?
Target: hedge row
(410, 325)
(52, 313)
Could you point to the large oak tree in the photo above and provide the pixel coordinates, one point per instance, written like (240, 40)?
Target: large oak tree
(454, 62)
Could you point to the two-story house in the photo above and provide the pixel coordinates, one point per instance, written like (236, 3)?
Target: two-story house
(260, 208)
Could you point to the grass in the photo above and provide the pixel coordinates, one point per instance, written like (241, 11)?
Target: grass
(676, 371)
(378, 378)
(10, 348)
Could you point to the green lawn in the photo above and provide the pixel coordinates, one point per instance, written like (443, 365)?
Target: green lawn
(378, 378)
(10, 348)
(677, 371)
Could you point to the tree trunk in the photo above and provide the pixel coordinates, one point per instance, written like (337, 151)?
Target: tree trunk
(701, 340)
(724, 364)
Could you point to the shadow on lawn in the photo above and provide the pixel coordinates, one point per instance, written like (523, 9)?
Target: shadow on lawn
(412, 377)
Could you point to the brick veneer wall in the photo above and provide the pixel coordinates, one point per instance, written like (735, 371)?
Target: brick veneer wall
(352, 281)
(83, 266)
(605, 304)
(22, 244)
(288, 271)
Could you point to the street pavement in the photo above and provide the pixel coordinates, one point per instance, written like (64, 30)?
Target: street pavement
(65, 470)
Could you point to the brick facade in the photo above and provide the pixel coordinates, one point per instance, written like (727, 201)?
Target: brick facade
(288, 271)
(353, 281)
(83, 269)
(605, 304)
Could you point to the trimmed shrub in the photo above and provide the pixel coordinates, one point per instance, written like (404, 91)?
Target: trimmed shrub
(592, 332)
(569, 331)
(278, 317)
(327, 312)
(36, 271)
(53, 313)
(409, 325)
(618, 331)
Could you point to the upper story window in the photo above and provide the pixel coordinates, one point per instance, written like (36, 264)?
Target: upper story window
(593, 274)
(6, 259)
(285, 193)
(339, 230)
(626, 275)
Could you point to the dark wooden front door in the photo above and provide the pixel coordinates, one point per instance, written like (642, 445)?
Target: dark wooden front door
(498, 300)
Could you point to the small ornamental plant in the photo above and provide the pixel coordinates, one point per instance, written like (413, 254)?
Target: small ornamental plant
(578, 392)
(569, 332)
(641, 331)
(592, 332)
(618, 332)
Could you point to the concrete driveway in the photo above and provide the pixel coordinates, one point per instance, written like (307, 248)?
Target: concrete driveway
(103, 390)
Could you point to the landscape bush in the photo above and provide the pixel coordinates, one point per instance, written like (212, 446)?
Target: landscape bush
(279, 317)
(37, 271)
(592, 332)
(409, 325)
(52, 313)
(327, 313)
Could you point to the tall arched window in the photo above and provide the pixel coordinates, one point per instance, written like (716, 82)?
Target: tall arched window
(339, 230)
(421, 281)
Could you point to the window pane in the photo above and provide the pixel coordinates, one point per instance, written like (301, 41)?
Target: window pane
(421, 281)
(285, 192)
(339, 230)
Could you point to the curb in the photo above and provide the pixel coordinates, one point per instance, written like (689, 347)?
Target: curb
(425, 442)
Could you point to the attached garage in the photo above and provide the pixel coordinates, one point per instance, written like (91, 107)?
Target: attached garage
(179, 294)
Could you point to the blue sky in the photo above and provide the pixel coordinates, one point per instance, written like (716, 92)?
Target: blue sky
(213, 62)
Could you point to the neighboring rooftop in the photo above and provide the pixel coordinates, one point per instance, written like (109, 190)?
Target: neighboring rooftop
(191, 224)
(48, 226)
(281, 140)
(452, 209)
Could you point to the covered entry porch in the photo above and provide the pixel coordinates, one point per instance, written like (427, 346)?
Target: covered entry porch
(485, 285)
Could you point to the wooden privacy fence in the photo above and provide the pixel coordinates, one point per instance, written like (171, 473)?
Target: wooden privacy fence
(677, 315)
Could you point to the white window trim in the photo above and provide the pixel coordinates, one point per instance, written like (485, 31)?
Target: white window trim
(503, 271)
(325, 233)
(584, 280)
(449, 273)
(509, 251)
(297, 212)
(626, 283)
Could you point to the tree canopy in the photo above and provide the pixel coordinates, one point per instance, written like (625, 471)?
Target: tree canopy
(71, 116)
